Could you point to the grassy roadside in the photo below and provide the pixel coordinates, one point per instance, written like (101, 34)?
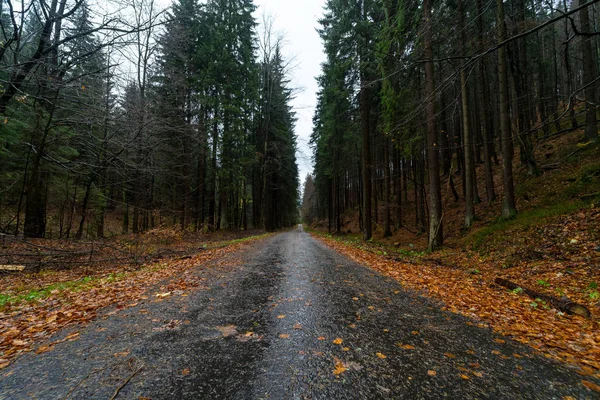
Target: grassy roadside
(33, 287)
(40, 308)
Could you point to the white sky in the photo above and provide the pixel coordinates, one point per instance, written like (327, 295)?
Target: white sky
(297, 20)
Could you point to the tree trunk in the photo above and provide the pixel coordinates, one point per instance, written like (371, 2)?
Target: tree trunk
(366, 159)
(467, 136)
(435, 195)
(509, 209)
(387, 231)
(589, 76)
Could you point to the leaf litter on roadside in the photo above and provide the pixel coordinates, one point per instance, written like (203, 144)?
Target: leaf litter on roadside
(571, 339)
(24, 325)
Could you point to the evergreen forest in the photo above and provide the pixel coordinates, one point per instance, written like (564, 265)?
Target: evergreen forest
(124, 117)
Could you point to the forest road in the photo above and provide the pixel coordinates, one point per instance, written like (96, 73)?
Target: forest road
(288, 319)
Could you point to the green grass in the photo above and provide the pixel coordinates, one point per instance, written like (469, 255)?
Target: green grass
(42, 293)
(494, 232)
(37, 294)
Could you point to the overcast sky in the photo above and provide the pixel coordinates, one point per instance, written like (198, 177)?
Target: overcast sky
(297, 20)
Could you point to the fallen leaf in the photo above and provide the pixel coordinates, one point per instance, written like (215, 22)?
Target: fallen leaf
(500, 341)
(321, 338)
(355, 298)
(282, 316)
(477, 374)
(381, 355)
(18, 342)
(44, 349)
(465, 376)
(431, 372)
(4, 363)
(185, 372)
(122, 353)
(415, 332)
(72, 336)
(161, 295)
(297, 326)
(248, 334)
(472, 352)
(496, 352)
(407, 346)
(338, 341)
(449, 355)
(590, 385)
(346, 349)
(51, 319)
(284, 336)
(339, 367)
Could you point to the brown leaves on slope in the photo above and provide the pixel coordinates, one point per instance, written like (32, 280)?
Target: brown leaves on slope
(566, 338)
(24, 325)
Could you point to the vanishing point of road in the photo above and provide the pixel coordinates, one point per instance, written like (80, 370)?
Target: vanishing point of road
(288, 319)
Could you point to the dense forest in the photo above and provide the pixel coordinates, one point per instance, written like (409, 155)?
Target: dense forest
(418, 98)
(122, 117)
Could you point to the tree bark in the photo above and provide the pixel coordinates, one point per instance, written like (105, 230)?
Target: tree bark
(435, 196)
(589, 77)
(467, 136)
(509, 209)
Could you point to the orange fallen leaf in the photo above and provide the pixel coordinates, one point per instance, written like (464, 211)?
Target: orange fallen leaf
(431, 372)
(355, 298)
(339, 367)
(407, 346)
(477, 374)
(346, 348)
(297, 326)
(185, 372)
(44, 349)
(338, 341)
(248, 334)
(162, 295)
(321, 338)
(282, 316)
(496, 352)
(381, 355)
(415, 332)
(449, 355)
(472, 352)
(18, 342)
(72, 336)
(500, 341)
(466, 377)
(590, 385)
(4, 363)
(284, 336)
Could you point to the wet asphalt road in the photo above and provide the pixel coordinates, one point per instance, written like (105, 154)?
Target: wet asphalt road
(264, 328)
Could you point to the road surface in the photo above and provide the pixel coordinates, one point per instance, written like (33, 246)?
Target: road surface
(288, 319)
